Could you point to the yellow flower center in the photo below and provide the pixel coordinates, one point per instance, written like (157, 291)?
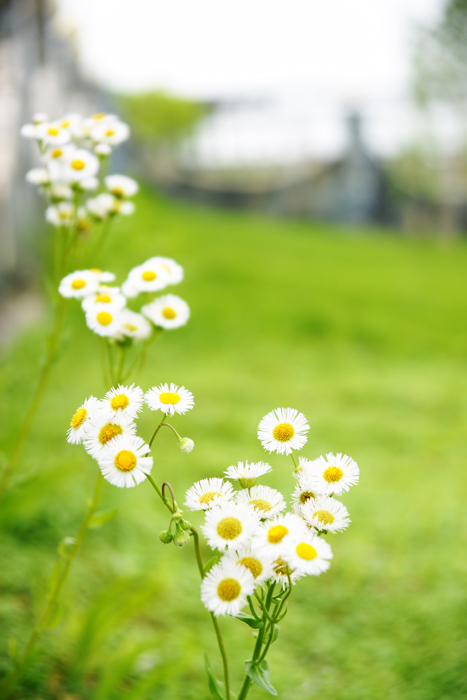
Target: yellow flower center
(169, 397)
(169, 313)
(96, 270)
(306, 551)
(332, 474)
(64, 214)
(305, 496)
(78, 284)
(209, 496)
(119, 401)
(166, 267)
(283, 432)
(65, 124)
(78, 164)
(229, 528)
(78, 418)
(99, 116)
(125, 461)
(118, 192)
(130, 327)
(280, 567)
(149, 275)
(104, 318)
(103, 299)
(277, 533)
(254, 565)
(109, 431)
(110, 132)
(261, 504)
(324, 516)
(56, 153)
(228, 589)
(53, 131)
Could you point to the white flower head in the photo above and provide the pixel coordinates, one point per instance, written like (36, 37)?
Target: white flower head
(124, 461)
(121, 186)
(173, 268)
(105, 320)
(81, 164)
(105, 295)
(100, 430)
(266, 501)
(52, 134)
(169, 399)
(302, 493)
(225, 588)
(333, 474)
(247, 473)
(167, 312)
(134, 325)
(256, 561)
(111, 133)
(77, 429)
(124, 401)
(103, 149)
(309, 554)
(38, 176)
(78, 284)
(149, 277)
(60, 214)
(207, 493)
(279, 575)
(272, 536)
(122, 207)
(325, 513)
(283, 430)
(101, 206)
(59, 192)
(88, 184)
(230, 525)
(102, 276)
(58, 154)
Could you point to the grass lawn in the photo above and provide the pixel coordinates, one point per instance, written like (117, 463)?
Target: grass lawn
(366, 334)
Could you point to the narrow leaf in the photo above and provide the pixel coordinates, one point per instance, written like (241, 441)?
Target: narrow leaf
(214, 685)
(13, 650)
(210, 564)
(260, 675)
(275, 634)
(249, 620)
(103, 517)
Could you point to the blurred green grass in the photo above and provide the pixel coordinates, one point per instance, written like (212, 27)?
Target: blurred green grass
(365, 333)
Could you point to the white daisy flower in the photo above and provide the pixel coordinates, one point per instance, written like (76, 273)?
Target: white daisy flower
(122, 207)
(169, 399)
(149, 277)
(124, 401)
(30, 131)
(60, 192)
(325, 513)
(266, 501)
(77, 429)
(335, 474)
(225, 588)
(110, 132)
(134, 325)
(81, 164)
(246, 473)
(230, 525)
(279, 573)
(283, 430)
(58, 154)
(88, 184)
(78, 284)
(173, 268)
(100, 206)
(124, 461)
(100, 430)
(121, 186)
(259, 563)
(302, 469)
(102, 275)
(60, 214)
(71, 122)
(309, 554)
(52, 134)
(302, 493)
(103, 149)
(38, 176)
(272, 536)
(105, 320)
(167, 312)
(207, 493)
(105, 295)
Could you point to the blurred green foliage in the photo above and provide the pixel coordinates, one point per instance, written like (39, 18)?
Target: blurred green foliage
(365, 333)
(157, 116)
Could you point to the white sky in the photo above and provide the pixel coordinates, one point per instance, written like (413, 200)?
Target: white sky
(207, 48)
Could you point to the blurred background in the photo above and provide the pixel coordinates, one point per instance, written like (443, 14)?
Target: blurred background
(306, 163)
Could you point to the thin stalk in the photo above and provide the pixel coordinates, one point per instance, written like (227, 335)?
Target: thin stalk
(10, 681)
(294, 461)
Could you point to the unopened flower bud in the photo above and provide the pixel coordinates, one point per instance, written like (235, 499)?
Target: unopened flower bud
(185, 445)
(166, 537)
(184, 524)
(181, 537)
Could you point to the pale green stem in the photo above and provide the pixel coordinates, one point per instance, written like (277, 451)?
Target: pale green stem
(294, 461)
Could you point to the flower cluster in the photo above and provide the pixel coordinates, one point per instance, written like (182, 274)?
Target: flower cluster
(261, 543)
(107, 429)
(106, 308)
(74, 153)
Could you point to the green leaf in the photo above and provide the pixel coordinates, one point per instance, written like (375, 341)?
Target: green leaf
(66, 546)
(214, 685)
(13, 650)
(260, 675)
(275, 634)
(250, 621)
(210, 564)
(103, 517)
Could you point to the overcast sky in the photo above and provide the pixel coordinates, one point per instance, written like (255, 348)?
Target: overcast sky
(208, 48)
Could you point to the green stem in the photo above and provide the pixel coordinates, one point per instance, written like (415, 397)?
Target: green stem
(51, 351)
(294, 461)
(12, 678)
